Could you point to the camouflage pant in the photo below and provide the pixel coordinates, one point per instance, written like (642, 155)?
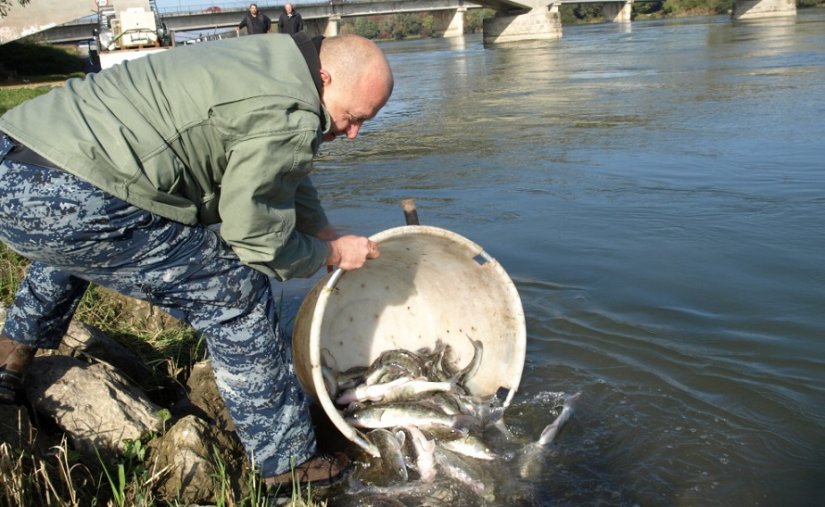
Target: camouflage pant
(74, 233)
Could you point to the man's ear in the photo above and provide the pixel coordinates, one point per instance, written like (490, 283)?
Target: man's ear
(326, 77)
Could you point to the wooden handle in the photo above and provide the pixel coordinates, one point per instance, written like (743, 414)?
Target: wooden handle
(410, 214)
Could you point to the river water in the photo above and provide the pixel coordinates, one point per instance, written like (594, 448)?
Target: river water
(655, 191)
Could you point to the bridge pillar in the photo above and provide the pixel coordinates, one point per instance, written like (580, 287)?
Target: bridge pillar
(333, 24)
(617, 12)
(450, 23)
(542, 22)
(754, 9)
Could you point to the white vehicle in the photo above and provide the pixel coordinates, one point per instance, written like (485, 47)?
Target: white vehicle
(129, 29)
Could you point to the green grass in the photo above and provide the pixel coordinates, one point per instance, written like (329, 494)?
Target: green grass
(10, 97)
(25, 64)
(27, 60)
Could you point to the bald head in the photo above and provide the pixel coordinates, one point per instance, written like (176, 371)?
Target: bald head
(355, 59)
(357, 81)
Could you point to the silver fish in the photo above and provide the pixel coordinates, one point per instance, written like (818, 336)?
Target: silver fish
(424, 454)
(470, 446)
(351, 378)
(392, 455)
(459, 470)
(472, 368)
(414, 388)
(436, 362)
(405, 415)
(383, 373)
(374, 392)
(532, 456)
(404, 359)
(447, 401)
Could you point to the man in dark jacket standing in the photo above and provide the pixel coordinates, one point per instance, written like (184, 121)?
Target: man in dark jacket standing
(290, 21)
(255, 21)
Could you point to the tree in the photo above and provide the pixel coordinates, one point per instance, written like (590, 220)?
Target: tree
(366, 27)
(474, 21)
(5, 5)
(428, 26)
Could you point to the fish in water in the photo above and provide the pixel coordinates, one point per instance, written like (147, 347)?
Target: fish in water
(392, 456)
(463, 472)
(532, 456)
(470, 446)
(430, 431)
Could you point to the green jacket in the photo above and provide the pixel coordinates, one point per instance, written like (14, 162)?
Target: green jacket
(221, 132)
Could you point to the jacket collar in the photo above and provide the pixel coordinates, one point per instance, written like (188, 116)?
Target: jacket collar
(310, 47)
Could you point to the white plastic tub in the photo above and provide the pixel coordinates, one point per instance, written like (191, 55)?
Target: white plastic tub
(428, 284)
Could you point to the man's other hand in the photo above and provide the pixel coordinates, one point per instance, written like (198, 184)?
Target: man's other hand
(351, 252)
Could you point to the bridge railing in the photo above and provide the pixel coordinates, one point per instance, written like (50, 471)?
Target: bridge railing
(185, 6)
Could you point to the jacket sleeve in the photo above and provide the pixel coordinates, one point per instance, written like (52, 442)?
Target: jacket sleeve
(267, 24)
(264, 194)
(309, 212)
(242, 23)
(300, 23)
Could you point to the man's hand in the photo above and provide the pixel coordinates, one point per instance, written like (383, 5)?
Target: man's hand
(351, 252)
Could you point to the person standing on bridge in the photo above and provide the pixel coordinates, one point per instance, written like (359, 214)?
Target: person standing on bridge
(254, 21)
(290, 20)
(116, 180)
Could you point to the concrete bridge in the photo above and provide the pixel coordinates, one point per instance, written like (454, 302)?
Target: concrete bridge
(515, 20)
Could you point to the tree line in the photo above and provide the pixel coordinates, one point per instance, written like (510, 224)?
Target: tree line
(422, 24)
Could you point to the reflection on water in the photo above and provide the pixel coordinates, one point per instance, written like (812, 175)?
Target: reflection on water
(657, 196)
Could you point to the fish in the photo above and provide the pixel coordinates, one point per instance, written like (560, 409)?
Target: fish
(531, 458)
(446, 402)
(460, 471)
(431, 494)
(436, 362)
(373, 392)
(414, 388)
(430, 431)
(469, 371)
(487, 411)
(392, 455)
(400, 389)
(330, 378)
(424, 454)
(351, 378)
(470, 446)
(407, 414)
(401, 359)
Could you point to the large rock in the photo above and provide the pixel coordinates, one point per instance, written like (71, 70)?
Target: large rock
(190, 453)
(84, 341)
(95, 406)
